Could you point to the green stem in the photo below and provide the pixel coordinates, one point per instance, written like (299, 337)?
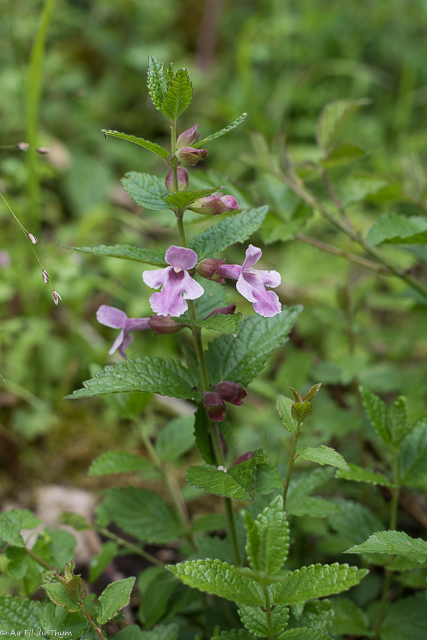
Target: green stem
(268, 612)
(290, 466)
(201, 364)
(34, 88)
(92, 624)
(37, 558)
(132, 547)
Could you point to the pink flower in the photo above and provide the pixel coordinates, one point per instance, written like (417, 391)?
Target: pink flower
(190, 155)
(182, 180)
(214, 205)
(187, 138)
(117, 319)
(177, 284)
(251, 283)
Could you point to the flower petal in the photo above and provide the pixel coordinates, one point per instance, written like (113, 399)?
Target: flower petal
(181, 257)
(190, 288)
(156, 278)
(232, 271)
(267, 303)
(253, 254)
(117, 342)
(127, 341)
(111, 317)
(245, 288)
(269, 278)
(136, 324)
(164, 304)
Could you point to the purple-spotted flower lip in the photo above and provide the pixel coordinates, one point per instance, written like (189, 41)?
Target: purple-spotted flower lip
(252, 283)
(117, 319)
(177, 284)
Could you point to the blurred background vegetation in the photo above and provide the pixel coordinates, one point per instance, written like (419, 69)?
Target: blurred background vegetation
(279, 60)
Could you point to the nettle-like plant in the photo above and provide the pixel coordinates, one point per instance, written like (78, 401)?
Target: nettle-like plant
(258, 591)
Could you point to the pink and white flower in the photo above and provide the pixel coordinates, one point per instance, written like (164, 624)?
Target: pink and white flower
(117, 319)
(252, 283)
(177, 284)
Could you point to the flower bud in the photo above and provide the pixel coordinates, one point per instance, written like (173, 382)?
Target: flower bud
(182, 180)
(207, 269)
(32, 238)
(190, 155)
(164, 324)
(224, 311)
(214, 405)
(22, 146)
(56, 297)
(187, 138)
(230, 391)
(45, 276)
(214, 205)
(243, 458)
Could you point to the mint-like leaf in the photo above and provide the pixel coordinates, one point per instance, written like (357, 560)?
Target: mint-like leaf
(268, 538)
(376, 410)
(395, 543)
(156, 81)
(324, 455)
(316, 581)
(147, 144)
(241, 359)
(57, 592)
(220, 579)
(413, 457)
(146, 190)
(235, 228)
(126, 252)
(18, 614)
(349, 619)
(10, 527)
(227, 324)
(183, 199)
(359, 474)
(333, 118)
(118, 462)
(343, 155)
(155, 375)
(113, 598)
(178, 96)
(176, 438)
(284, 407)
(395, 228)
(255, 619)
(142, 513)
(218, 134)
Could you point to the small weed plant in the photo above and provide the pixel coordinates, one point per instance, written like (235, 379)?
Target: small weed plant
(241, 573)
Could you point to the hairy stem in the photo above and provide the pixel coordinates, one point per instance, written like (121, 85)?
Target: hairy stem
(290, 466)
(92, 624)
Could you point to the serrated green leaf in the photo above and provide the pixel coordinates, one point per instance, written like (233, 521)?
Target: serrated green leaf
(238, 482)
(220, 579)
(147, 144)
(313, 507)
(241, 359)
(10, 527)
(354, 522)
(143, 514)
(284, 407)
(395, 543)
(376, 410)
(395, 228)
(268, 479)
(183, 199)
(255, 619)
(178, 96)
(155, 375)
(78, 522)
(304, 634)
(227, 324)
(146, 190)
(176, 438)
(324, 455)
(356, 188)
(126, 252)
(237, 227)
(18, 614)
(132, 632)
(358, 474)
(100, 561)
(113, 598)
(57, 621)
(332, 119)
(162, 632)
(316, 581)
(118, 462)
(156, 81)
(316, 615)
(21, 564)
(156, 590)
(413, 457)
(343, 154)
(267, 541)
(349, 618)
(398, 421)
(57, 592)
(405, 619)
(218, 134)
